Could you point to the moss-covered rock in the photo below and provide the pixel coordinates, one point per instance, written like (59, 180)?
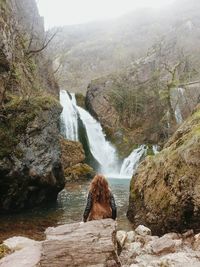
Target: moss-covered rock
(165, 192)
(4, 250)
(30, 165)
(80, 99)
(72, 152)
(30, 158)
(15, 117)
(79, 171)
(73, 157)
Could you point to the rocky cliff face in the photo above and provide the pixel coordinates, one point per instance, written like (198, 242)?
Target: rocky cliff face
(165, 190)
(30, 166)
(31, 171)
(146, 102)
(128, 107)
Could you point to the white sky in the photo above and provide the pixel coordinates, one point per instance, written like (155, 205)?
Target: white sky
(67, 12)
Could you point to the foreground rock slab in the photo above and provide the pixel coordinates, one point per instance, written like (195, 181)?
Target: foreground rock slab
(78, 244)
(81, 244)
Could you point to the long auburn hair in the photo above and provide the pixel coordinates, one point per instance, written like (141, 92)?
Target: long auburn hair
(100, 189)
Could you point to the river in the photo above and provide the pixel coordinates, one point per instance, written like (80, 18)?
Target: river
(68, 209)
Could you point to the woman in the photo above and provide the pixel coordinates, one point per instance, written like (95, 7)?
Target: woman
(100, 201)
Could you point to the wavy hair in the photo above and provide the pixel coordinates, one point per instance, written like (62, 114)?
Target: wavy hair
(100, 189)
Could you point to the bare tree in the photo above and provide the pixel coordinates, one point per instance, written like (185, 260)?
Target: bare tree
(44, 45)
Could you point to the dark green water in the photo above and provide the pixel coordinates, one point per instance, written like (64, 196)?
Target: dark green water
(68, 209)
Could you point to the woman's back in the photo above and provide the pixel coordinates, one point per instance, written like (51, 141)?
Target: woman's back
(100, 201)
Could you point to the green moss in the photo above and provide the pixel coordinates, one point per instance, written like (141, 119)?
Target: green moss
(150, 151)
(80, 99)
(4, 250)
(79, 171)
(3, 4)
(16, 115)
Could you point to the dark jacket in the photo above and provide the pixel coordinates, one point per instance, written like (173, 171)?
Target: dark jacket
(90, 205)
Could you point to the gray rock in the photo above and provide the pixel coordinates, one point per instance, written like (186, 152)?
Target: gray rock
(81, 244)
(121, 238)
(142, 230)
(163, 244)
(35, 175)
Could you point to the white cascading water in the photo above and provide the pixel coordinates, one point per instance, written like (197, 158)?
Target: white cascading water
(101, 149)
(155, 149)
(178, 100)
(131, 163)
(69, 117)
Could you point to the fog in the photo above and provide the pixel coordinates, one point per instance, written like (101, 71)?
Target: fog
(68, 12)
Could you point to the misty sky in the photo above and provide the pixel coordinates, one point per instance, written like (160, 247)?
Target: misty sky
(66, 12)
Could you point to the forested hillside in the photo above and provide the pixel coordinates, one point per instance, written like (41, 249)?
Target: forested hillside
(85, 52)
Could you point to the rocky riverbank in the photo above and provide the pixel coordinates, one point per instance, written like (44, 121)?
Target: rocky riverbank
(165, 190)
(97, 243)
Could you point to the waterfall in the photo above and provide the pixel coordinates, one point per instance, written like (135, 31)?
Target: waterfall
(131, 163)
(69, 117)
(178, 101)
(101, 149)
(97, 147)
(178, 114)
(155, 149)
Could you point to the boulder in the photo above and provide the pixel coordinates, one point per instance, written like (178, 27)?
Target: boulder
(163, 245)
(121, 237)
(80, 171)
(19, 242)
(26, 257)
(164, 192)
(142, 230)
(31, 172)
(81, 244)
(72, 153)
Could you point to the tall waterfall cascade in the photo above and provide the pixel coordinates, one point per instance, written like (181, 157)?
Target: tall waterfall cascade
(69, 116)
(102, 150)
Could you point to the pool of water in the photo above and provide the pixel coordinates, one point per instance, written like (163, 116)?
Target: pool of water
(68, 209)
